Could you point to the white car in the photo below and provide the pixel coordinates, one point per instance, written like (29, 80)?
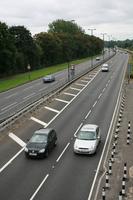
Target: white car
(87, 139)
(97, 58)
(105, 67)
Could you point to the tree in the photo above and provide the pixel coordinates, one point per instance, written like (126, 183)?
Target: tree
(27, 51)
(7, 50)
(51, 48)
(62, 26)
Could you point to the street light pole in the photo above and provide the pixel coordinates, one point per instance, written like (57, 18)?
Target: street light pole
(103, 34)
(92, 29)
(109, 43)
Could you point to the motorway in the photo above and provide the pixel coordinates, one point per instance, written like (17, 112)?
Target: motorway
(15, 99)
(63, 175)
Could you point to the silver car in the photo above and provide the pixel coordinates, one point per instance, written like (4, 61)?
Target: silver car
(87, 139)
(48, 79)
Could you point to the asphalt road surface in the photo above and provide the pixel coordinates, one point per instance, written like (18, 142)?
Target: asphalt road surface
(17, 98)
(63, 175)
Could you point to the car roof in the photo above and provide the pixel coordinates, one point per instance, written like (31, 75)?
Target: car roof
(105, 64)
(43, 131)
(90, 127)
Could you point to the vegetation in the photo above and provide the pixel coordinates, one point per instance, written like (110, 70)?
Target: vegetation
(131, 64)
(16, 80)
(65, 41)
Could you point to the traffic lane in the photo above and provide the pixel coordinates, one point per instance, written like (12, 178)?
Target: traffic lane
(12, 102)
(30, 179)
(71, 179)
(7, 149)
(31, 87)
(22, 176)
(63, 135)
(50, 114)
(47, 117)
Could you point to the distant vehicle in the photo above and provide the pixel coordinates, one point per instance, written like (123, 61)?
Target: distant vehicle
(87, 139)
(97, 58)
(41, 143)
(105, 67)
(48, 79)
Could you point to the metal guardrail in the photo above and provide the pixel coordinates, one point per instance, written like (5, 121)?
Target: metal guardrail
(10, 120)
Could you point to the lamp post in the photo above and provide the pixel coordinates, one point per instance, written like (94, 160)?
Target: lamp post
(29, 68)
(109, 43)
(103, 34)
(92, 29)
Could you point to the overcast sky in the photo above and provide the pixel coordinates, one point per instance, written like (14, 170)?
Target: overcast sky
(114, 17)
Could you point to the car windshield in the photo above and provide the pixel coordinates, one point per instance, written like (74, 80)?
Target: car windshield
(39, 138)
(86, 135)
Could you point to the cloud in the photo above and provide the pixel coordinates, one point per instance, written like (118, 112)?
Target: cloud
(113, 17)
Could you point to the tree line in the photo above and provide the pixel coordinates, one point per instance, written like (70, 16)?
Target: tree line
(125, 44)
(63, 42)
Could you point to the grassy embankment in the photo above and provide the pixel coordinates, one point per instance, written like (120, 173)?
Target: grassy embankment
(131, 63)
(14, 81)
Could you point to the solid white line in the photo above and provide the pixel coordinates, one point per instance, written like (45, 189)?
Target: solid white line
(75, 88)
(38, 121)
(17, 139)
(62, 152)
(61, 100)
(111, 128)
(78, 129)
(79, 84)
(94, 104)
(70, 94)
(9, 106)
(99, 96)
(88, 114)
(103, 89)
(39, 187)
(54, 110)
(9, 162)
(29, 96)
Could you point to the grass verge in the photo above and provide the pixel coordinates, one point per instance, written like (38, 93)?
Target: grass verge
(14, 81)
